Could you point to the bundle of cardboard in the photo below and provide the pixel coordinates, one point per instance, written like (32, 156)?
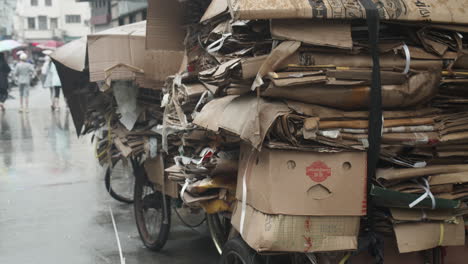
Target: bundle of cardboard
(292, 94)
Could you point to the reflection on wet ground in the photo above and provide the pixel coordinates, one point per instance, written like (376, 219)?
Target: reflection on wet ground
(53, 204)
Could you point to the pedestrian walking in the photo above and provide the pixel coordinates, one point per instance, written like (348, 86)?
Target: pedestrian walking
(52, 81)
(4, 71)
(24, 72)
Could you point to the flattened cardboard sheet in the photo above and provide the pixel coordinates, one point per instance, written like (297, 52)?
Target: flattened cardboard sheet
(336, 35)
(164, 39)
(421, 236)
(449, 11)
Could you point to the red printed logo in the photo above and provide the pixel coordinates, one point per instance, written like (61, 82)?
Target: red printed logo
(318, 171)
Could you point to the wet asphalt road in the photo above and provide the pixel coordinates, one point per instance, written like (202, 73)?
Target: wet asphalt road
(53, 204)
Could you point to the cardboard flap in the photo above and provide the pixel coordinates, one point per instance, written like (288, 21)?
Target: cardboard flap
(251, 65)
(210, 117)
(72, 54)
(216, 8)
(251, 117)
(275, 59)
(336, 35)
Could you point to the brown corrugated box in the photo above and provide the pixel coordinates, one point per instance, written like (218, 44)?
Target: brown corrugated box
(291, 233)
(121, 45)
(164, 39)
(303, 183)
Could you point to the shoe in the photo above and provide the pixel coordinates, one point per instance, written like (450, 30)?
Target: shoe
(52, 107)
(20, 110)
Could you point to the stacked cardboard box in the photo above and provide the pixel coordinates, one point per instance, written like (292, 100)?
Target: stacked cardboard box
(267, 118)
(296, 91)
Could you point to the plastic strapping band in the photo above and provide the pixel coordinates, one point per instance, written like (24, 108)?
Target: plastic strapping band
(244, 191)
(375, 120)
(442, 233)
(408, 58)
(427, 192)
(200, 101)
(345, 258)
(218, 44)
(382, 127)
(163, 188)
(375, 100)
(187, 182)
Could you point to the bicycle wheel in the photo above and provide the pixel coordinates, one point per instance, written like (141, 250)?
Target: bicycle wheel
(152, 212)
(236, 251)
(220, 227)
(120, 181)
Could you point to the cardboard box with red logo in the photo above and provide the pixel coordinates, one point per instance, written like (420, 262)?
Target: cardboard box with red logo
(304, 183)
(298, 201)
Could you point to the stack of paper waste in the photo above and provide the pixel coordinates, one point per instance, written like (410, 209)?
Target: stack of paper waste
(267, 75)
(261, 111)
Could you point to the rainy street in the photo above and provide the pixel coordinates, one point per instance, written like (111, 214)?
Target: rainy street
(54, 207)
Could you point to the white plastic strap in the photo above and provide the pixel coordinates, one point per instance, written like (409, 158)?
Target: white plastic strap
(428, 190)
(383, 125)
(200, 101)
(218, 44)
(177, 80)
(244, 193)
(163, 188)
(424, 195)
(408, 58)
(184, 188)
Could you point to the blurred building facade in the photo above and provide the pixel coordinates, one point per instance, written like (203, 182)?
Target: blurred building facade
(112, 13)
(39, 20)
(7, 11)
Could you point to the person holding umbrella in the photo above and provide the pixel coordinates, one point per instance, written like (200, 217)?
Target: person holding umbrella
(52, 80)
(4, 71)
(24, 72)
